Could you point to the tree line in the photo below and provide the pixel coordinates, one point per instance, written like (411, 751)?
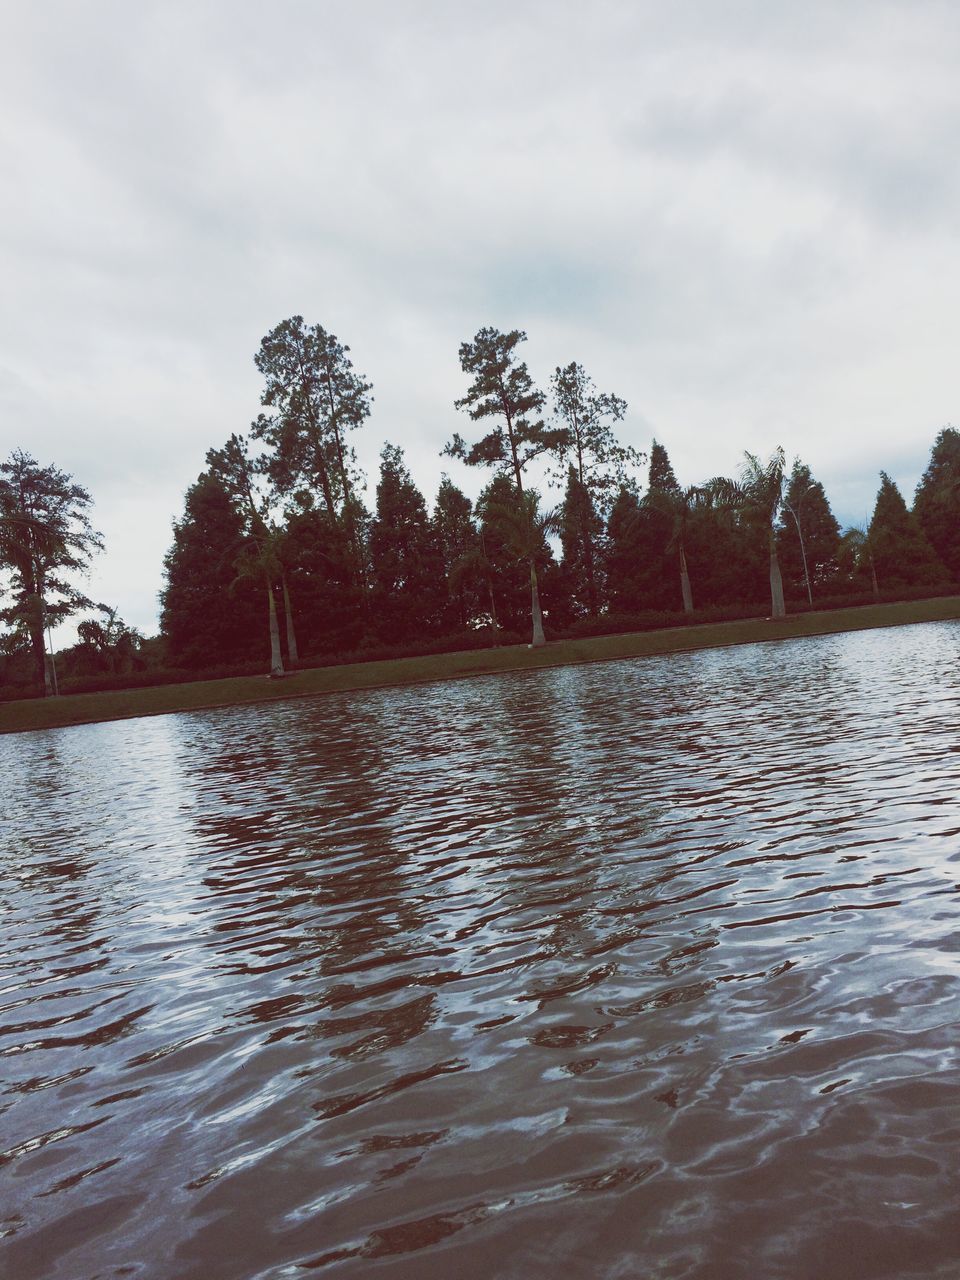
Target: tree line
(277, 554)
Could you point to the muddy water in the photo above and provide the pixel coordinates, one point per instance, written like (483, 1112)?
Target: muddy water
(646, 969)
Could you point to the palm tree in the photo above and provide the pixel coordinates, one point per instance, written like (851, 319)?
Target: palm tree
(523, 530)
(680, 504)
(759, 495)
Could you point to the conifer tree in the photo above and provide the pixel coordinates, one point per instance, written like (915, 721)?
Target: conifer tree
(406, 566)
(207, 616)
(460, 553)
(937, 501)
(624, 559)
(315, 399)
(503, 390)
(259, 557)
(599, 463)
(581, 537)
(902, 556)
(808, 537)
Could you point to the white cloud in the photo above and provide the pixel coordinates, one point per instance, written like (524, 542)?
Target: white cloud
(740, 217)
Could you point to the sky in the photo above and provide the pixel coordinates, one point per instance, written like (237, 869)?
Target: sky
(740, 217)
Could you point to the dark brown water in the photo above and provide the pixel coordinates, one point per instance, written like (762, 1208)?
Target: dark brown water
(646, 969)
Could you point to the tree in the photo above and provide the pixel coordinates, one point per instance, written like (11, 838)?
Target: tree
(109, 645)
(502, 389)
(259, 555)
(407, 577)
(937, 502)
(207, 615)
(581, 534)
(523, 530)
(625, 563)
(317, 399)
(461, 555)
(45, 535)
(598, 461)
(902, 556)
(758, 496)
(855, 558)
(809, 537)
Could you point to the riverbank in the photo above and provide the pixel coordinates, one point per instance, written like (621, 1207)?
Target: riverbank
(122, 704)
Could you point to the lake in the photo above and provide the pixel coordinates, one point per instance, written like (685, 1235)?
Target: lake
(636, 970)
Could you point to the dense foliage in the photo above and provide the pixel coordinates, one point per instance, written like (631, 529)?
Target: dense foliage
(276, 561)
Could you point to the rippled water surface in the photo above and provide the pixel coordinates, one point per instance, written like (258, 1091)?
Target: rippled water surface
(644, 969)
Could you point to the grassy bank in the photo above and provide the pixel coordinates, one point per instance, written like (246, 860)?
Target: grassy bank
(122, 704)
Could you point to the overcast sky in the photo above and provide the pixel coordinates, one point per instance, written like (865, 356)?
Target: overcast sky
(741, 217)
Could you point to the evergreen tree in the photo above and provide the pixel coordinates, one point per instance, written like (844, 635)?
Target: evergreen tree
(460, 554)
(326, 596)
(625, 562)
(407, 574)
(510, 580)
(901, 553)
(503, 389)
(45, 534)
(315, 398)
(207, 615)
(581, 534)
(808, 536)
(661, 478)
(937, 502)
(599, 464)
(260, 555)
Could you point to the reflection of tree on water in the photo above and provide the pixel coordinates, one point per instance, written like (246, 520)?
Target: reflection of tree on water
(313, 893)
(52, 834)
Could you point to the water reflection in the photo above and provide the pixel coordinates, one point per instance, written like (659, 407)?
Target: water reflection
(645, 968)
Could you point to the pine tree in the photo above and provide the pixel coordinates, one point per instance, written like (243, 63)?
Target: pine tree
(937, 502)
(502, 389)
(208, 616)
(599, 465)
(901, 553)
(407, 576)
(581, 537)
(808, 537)
(315, 398)
(460, 554)
(624, 560)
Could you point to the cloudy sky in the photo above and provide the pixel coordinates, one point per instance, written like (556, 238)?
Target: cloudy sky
(742, 217)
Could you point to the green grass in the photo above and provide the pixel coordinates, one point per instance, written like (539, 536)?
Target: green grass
(119, 704)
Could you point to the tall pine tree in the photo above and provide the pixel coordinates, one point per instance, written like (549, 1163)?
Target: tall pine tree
(902, 556)
(208, 615)
(937, 502)
(808, 537)
(407, 579)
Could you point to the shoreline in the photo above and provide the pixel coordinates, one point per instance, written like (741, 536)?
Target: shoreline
(204, 695)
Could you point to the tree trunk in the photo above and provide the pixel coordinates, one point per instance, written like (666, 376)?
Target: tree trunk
(778, 610)
(53, 683)
(292, 652)
(276, 661)
(592, 597)
(38, 647)
(493, 615)
(873, 578)
(539, 639)
(685, 583)
(806, 571)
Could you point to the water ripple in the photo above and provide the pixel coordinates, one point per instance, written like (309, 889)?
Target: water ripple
(649, 968)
